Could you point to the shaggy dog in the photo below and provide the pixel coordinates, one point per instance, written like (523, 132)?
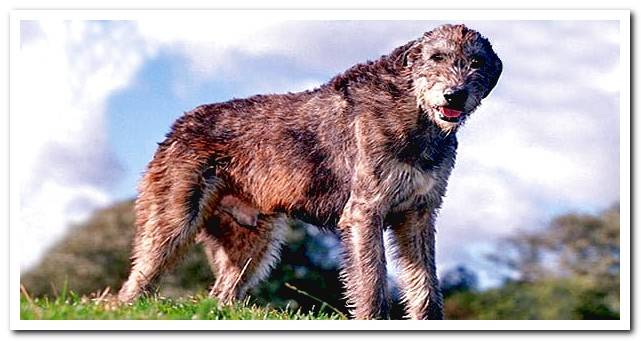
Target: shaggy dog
(370, 150)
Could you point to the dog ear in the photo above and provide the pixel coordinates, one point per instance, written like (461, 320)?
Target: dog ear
(494, 76)
(412, 54)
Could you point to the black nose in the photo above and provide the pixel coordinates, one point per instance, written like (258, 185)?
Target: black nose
(456, 98)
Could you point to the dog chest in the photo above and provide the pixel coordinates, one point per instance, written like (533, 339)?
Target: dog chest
(405, 186)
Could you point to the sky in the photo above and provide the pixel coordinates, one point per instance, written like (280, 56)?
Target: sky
(92, 98)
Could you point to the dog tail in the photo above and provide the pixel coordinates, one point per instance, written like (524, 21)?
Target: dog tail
(177, 194)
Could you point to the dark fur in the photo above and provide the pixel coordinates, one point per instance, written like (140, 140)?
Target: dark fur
(362, 152)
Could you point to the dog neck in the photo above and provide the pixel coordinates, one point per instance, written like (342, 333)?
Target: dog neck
(380, 93)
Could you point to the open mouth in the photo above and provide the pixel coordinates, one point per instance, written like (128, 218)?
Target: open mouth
(450, 114)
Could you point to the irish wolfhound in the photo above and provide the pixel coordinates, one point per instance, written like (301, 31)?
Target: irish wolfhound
(370, 150)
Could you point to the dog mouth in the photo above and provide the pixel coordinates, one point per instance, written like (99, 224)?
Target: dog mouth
(449, 114)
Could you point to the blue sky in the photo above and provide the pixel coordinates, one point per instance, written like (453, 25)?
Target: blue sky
(545, 142)
(156, 83)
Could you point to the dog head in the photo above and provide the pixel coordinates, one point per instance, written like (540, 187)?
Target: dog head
(452, 69)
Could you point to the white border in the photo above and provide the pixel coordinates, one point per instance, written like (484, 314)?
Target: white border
(623, 16)
(325, 14)
(625, 142)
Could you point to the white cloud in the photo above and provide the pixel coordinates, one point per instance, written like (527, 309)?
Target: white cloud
(210, 45)
(59, 153)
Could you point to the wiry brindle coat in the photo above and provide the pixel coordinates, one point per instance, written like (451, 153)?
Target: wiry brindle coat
(371, 149)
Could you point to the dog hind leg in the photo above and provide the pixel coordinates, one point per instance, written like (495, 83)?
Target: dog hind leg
(241, 256)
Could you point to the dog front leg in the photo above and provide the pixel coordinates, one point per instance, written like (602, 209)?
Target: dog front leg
(413, 239)
(363, 272)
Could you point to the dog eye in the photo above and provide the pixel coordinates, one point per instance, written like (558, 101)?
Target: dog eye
(477, 62)
(437, 57)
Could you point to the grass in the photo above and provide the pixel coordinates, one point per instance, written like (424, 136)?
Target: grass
(69, 306)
